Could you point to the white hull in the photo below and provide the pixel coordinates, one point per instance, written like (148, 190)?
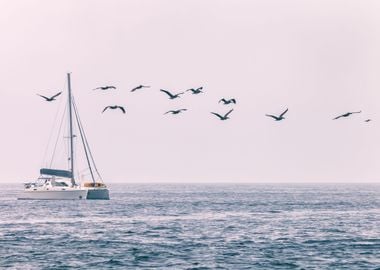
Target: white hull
(68, 194)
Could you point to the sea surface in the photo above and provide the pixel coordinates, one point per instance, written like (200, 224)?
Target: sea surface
(196, 226)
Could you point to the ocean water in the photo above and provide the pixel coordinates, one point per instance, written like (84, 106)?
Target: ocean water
(196, 226)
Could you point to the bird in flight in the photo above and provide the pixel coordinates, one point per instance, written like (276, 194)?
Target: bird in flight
(223, 117)
(176, 111)
(171, 96)
(114, 108)
(139, 87)
(196, 91)
(278, 118)
(368, 120)
(105, 87)
(346, 115)
(226, 102)
(50, 98)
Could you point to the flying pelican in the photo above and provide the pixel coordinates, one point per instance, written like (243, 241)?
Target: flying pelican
(346, 115)
(105, 87)
(224, 117)
(280, 117)
(50, 98)
(114, 108)
(196, 91)
(171, 96)
(176, 111)
(139, 87)
(226, 102)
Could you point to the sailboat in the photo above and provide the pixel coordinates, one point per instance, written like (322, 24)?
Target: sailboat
(58, 184)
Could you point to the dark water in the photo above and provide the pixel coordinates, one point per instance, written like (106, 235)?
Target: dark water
(196, 227)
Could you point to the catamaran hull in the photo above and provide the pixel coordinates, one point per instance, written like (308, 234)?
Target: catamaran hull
(98, 194)
(79, 194)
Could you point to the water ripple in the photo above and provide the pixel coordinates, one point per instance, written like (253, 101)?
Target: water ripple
(196, 227)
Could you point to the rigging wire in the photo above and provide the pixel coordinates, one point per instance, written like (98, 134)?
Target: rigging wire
(56, 142)
(81, 132)
(80, 125)
(65, 140)
(52, 130)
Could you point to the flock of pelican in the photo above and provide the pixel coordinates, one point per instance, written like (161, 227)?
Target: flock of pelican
(194, 91)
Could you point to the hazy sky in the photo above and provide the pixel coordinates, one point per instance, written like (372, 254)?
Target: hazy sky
(319, 58)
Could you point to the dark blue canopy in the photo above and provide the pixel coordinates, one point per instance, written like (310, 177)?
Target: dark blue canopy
(60, 173)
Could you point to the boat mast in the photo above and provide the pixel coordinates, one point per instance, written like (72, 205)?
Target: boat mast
(71, 137)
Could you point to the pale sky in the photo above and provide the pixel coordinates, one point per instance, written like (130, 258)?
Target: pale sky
(319, 58)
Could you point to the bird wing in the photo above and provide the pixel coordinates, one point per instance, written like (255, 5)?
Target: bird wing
(357, 112)
(233, 100)
(111, 87)
(224, 100)
(168, 112)
(105, 109)
(183, 109)
(180, 93)
(167, 92)
(56, 95)
(281, 115)
(217, 114)
(228, 113)
(338, 117)
(273, 116)
(191, 89)
(97, 88)
(43, 96)
(121, 108)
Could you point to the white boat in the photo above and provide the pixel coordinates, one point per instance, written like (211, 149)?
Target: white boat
(52, 189)
(58, 184)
